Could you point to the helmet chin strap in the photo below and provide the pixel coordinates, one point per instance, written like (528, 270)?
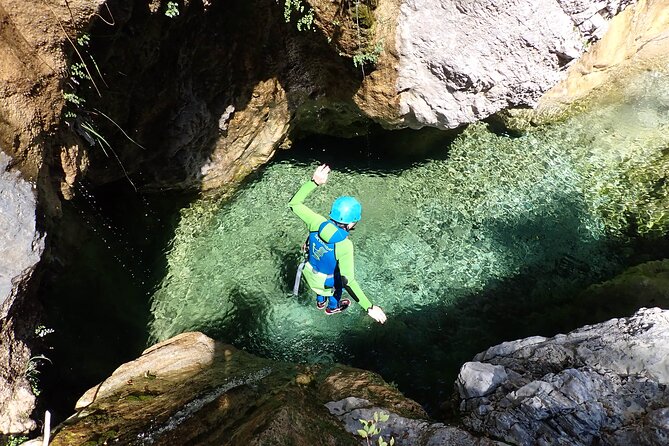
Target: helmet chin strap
(346, 226)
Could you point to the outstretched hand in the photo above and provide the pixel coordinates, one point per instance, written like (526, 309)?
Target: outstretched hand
(377, 314)
(321, 174)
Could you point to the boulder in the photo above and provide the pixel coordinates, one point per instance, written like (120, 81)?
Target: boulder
(461, 61)
(191, 389)
(603, 383)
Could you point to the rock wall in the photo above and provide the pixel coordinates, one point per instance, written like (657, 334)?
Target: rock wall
(601, 384)
(36, 41)
(34, 51)
(21, 247)
(186, 102)
(637, 39)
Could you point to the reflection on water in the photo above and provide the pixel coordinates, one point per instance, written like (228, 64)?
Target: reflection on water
(462, 250)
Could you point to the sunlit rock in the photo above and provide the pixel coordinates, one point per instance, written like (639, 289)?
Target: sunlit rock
(478, 379)
(460, 62)
(636, 40)
(193, 390)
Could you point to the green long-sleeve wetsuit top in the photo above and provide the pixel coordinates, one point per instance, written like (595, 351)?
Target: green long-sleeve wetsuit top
(343, 249)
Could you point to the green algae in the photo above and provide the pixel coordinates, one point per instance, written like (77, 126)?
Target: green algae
(489, 221)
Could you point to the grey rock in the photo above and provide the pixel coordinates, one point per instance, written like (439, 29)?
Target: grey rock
(405, 431)
(21, 245)
(463, 60)
(591, 17)
(477, 379)
(603, 383)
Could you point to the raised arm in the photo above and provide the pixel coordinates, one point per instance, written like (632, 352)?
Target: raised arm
(311, 218)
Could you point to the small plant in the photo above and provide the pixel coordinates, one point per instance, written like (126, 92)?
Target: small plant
(370, 428)
(84, 39)
(172, 9)
(32, 373)
(41, 331)
(78, 71)
(73, 98)
(15, 440)
(368, 57)
(305, 21)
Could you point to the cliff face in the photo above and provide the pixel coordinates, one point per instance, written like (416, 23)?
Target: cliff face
(200, 99)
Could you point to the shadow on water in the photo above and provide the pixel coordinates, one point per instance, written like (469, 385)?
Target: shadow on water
(421, 349)
(105, 257)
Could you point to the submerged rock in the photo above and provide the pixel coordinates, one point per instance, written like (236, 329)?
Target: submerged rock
(603, 383)
(21, 247)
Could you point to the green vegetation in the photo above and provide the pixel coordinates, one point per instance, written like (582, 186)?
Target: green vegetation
(363, 15)
(305, 14)
(369, 50)
(77, 116)
(370, 428)
(13, 440)
(172, 9)
(32, 373)
(368, 56)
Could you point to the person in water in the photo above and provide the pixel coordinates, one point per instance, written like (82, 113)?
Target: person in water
(329, 266)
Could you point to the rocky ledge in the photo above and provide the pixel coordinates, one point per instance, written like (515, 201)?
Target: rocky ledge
(601, 384)
(193, 390)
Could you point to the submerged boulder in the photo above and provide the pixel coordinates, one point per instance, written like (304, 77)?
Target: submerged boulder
(603, 383)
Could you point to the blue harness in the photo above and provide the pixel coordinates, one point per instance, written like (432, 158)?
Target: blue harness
(321, 254)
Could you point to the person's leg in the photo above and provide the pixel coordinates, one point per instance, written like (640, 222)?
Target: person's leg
(321, 302)
(333, 301)
(337, 304)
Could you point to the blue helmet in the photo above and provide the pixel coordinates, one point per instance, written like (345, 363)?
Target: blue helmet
(346, 210)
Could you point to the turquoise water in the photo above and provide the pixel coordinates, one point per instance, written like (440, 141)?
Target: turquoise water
(471, 245)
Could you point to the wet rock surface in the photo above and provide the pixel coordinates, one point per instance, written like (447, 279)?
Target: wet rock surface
(603, 383)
